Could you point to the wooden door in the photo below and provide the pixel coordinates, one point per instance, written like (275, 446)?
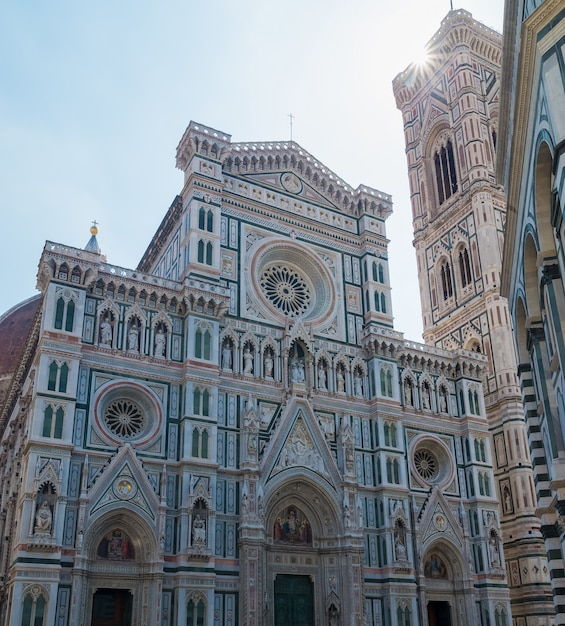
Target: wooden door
(111, 607)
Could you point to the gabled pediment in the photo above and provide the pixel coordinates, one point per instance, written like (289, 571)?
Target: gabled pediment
(439, 522)
(124, 483)
(300, 443)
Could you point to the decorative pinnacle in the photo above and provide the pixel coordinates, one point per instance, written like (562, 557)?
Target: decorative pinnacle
(94, 228)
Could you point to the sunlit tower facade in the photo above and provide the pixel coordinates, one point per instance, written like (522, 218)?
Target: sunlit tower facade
(450, 112)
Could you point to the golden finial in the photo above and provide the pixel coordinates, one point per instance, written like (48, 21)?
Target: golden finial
(94, 228)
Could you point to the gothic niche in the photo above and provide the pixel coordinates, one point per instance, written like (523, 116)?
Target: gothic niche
(292, 527)
(106, 329)
(227, 354)
(199, 520)
(160, 347)
(116, 546)
(297, 363)
(434, 567)
(400, 540)
(45, 504)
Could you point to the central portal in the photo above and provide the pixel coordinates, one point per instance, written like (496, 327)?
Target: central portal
(439, 614)
(111, 607)
(294, 601)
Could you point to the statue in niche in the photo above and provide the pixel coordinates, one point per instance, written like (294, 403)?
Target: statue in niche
(322, 378)
(340, 380)
(358, 384)
(160, 341)
(106, 332)
(133, 336)
(426, 396)
(198, 531)
(43, 519)
(297, 370)
(116, 546)
(443, 400)
(400, 541)
(227, 355)
(247, 361)
(268, 365)
(292, 526)
(494, 549)
(408, 395)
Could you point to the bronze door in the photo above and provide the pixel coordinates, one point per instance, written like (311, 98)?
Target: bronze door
(111, 607)
(294, 601)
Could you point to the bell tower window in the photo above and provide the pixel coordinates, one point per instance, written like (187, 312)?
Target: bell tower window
(446, 176)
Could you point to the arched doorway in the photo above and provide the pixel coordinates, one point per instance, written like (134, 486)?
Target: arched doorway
(446, 581)
(308, 579)
(119, 573)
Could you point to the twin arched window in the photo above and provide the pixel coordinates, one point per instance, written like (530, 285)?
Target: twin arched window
(386, 382)
(53, 422)
(58, 377)
(202, 343)
(64, 314)
(205, 252)
(205, 219)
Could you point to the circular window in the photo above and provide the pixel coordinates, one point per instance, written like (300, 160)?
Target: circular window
(126, 411)
(426, 464)
(289, 280)
(286, 289)
(431, 461)
(124, 418)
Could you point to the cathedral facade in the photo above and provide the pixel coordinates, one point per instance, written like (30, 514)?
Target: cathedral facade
(450, 110)
(233, 433)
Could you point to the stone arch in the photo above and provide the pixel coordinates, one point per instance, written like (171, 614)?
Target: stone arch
(309, 494)
(543, 189)
(448, 565)
(520, 319)
(144, 544)
(531, 288)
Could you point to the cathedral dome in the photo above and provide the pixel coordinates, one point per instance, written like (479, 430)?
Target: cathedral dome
(15, 325)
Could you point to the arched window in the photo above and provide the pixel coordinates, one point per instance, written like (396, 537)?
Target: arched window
(53, 371)
(200, 443)
(403, 616)
(500, 617)
(209, 221)
(464, 267)
(200, 251)
(375, 271)
(202, 344)
(53, 422)
(209, 251)
(446, 177)
(383, 303)
(33, 612)
(201, 402)
(201, 218)
(63, 378)
(195, 613)
(446, 281)
(377, 301)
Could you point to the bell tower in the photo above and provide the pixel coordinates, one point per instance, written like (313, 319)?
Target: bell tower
(449, 106)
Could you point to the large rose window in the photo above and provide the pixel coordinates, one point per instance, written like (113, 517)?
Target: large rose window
(432, 461)
(289, 280)
(127, 412)
(124, 418)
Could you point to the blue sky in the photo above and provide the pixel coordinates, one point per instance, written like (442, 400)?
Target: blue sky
(94, 97)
